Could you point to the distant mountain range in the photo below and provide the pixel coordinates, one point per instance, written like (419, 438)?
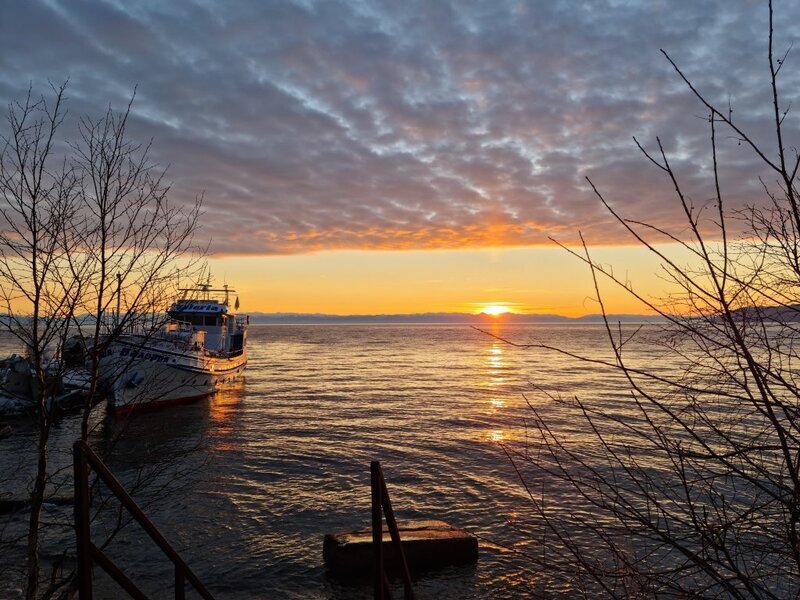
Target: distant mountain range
(442, 317)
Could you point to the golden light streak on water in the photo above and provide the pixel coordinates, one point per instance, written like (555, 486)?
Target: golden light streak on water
(222, 411)
(496, 436)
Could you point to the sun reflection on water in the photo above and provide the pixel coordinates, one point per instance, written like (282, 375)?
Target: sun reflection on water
(496, 436)
(495, 402)
(223, 407)
(496, 362)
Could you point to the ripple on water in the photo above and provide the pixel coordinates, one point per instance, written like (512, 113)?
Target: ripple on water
(283, 456)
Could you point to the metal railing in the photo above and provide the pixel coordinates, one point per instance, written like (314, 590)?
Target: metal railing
(381, 505)
(89, 554)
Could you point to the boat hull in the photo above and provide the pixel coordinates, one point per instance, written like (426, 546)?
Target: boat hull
(144, 376)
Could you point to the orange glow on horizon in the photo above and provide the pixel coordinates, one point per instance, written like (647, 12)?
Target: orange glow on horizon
(520, 281)
(495, 310)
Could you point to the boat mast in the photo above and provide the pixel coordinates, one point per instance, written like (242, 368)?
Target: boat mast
(119, 293)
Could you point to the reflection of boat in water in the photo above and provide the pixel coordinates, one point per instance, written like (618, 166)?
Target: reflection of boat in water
(203, 345)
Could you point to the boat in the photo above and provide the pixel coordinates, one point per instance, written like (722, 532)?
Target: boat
(202, 345)
(19, 388)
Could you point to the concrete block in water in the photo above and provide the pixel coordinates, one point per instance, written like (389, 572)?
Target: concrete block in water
(425, 544)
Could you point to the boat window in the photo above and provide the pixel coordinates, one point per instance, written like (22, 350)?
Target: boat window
(191, 319)
(196, 320)
(211, 321)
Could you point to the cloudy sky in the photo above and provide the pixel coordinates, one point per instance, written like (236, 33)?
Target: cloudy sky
(381, 141)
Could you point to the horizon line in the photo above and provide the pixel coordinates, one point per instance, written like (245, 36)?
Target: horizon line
(449, 317)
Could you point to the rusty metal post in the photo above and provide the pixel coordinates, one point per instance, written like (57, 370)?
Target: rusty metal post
(89, 554)
(180, 584)
(391, 523)
(81, 507)
(377, 528)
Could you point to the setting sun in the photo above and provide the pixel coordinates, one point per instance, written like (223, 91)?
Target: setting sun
(495, 310)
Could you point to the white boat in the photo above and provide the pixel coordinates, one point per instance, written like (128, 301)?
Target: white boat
(19, 387)
(202, 346)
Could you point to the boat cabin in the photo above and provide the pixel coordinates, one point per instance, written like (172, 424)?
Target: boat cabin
(224, 333)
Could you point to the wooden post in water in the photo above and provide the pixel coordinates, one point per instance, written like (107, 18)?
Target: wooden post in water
(81, 508)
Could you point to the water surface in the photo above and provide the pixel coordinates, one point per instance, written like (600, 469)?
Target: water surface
(267, 466)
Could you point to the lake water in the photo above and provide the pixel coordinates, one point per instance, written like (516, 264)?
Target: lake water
(246, 483)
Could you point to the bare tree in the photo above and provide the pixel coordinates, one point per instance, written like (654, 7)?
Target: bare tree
(38, 290)
(138, 245)
(692, 489)
(90, 248)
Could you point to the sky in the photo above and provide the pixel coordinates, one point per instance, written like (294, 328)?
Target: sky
(395, 157)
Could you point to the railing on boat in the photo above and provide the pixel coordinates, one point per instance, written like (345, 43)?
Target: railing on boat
(84, 458)
(381, 505)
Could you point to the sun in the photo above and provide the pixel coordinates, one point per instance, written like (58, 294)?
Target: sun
(495, 310)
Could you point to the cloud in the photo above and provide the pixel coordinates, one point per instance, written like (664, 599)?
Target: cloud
(324, 125)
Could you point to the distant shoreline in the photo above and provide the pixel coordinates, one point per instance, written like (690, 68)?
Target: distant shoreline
(443, 319)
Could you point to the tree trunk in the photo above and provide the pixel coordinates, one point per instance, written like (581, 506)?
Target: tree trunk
(37, 499)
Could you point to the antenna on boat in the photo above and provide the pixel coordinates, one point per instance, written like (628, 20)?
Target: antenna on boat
(225, 287)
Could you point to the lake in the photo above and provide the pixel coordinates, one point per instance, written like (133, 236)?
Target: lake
(246, 483)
